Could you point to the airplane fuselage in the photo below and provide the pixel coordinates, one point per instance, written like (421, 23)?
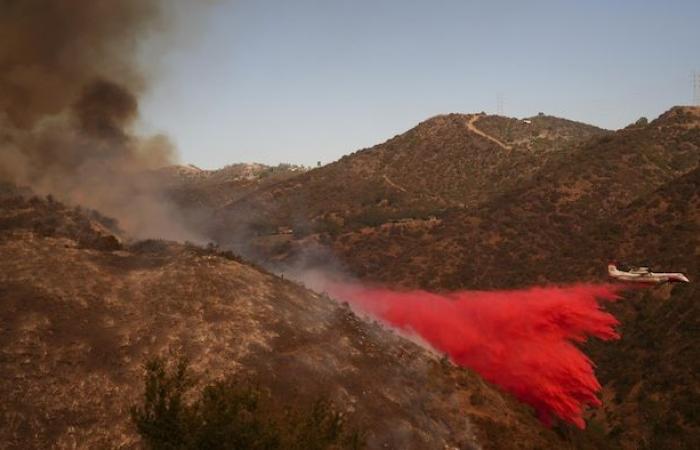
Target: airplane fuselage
(645, 276)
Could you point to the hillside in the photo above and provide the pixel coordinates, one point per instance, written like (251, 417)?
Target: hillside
(444, 162)
(199, 190)
(662, 327)
(196, 193)
(82, 312)
(559, 218)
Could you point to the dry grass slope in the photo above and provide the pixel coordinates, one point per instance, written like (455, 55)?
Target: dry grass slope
(79, 321)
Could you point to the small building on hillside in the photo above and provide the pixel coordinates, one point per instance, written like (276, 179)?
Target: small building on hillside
(285, 230)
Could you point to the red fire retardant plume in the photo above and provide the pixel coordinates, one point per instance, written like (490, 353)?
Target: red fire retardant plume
(521, 340)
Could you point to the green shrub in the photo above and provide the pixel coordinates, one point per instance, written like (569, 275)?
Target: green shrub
(230, 414)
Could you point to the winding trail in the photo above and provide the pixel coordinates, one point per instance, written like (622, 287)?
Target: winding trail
(392, 184)
(473, 128)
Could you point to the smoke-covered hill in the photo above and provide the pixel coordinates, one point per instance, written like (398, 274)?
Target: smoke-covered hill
(195, 188)
(199, 193)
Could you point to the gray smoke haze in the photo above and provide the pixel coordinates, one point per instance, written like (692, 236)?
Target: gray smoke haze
(69, 87)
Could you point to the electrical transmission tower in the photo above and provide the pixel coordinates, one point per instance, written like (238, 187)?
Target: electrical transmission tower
(696, 88)
(499, 104)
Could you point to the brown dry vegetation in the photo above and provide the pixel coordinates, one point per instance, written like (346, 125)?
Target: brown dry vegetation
(652, 372)
(437, 165)
(194, 188)
(564, 216)
(78, 321)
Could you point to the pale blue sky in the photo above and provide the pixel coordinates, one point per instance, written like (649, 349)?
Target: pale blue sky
(308, 80)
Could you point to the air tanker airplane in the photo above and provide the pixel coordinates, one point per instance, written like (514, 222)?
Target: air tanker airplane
(644, 275)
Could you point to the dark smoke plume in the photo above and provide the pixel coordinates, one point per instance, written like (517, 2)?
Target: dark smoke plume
(69, 84)
(104, 110)
(51, 49)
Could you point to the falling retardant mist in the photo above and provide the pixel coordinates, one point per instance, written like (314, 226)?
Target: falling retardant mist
(522, 340)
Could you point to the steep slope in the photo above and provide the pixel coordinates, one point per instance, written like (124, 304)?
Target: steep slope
(446, 161)
(78, 321)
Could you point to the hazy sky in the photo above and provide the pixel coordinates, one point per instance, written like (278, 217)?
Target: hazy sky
(302, 81)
